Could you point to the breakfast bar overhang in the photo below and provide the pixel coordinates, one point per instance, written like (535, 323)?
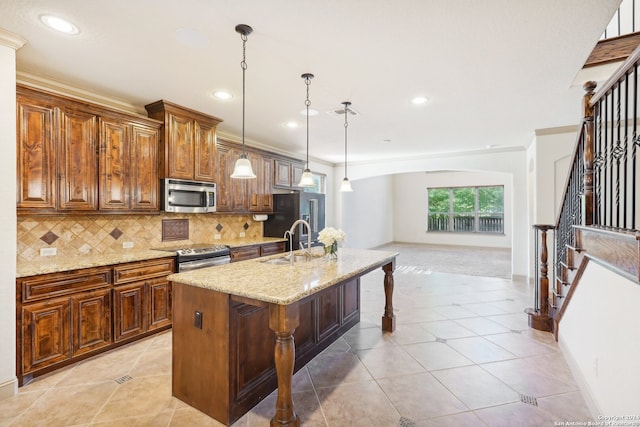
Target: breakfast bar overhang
(240, 330)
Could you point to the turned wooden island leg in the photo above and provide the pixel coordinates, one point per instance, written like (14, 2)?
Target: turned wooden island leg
(388, 319)
(283, 320)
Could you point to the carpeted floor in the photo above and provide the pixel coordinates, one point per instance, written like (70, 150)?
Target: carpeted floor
(472, 261)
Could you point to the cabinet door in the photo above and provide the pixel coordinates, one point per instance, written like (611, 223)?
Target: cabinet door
(350, 300)
(129, 311)
(296, 173)
(254, 186)
(267, 184)
(78, 165)
(36, 169)
(205, 152)
(159, 303)
(46, 334)
(237, 187)
(180, 147)
(143, 171)
(91, 319)
(113, 167)
(282, 176)
(272, 248)
(328, 312)
(223, 183)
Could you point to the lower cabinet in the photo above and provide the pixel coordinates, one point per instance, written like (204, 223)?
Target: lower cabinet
(65, 317)
(241, 253)
(226, 365)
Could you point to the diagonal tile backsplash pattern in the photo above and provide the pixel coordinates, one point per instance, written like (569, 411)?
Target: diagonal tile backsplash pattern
(74, 235)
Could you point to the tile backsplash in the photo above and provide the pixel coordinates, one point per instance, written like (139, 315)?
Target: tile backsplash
(75, 235)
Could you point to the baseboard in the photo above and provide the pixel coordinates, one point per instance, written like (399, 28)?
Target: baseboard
(519, 278)
(9, 389)
(591, 402)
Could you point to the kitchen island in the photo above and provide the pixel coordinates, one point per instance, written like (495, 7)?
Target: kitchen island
(234, 326)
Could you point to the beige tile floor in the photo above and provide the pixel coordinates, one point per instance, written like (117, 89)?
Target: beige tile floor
(462, 355)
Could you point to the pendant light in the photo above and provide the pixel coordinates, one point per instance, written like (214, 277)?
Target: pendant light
(242, 168)
(306, 180)
(346, 184)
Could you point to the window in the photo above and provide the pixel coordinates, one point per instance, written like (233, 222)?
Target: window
(319, 180)
(466, 209)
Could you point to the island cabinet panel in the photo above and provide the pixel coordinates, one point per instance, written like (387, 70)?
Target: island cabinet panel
(223, 359)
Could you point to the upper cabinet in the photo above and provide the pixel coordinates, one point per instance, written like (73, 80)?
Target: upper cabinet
(187, 142)
(73, 156)
(287, 173)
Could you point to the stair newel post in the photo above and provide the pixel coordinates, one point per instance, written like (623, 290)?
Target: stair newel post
(589, 138)
(539, 315)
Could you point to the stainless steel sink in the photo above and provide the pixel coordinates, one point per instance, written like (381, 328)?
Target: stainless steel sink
(284, 260)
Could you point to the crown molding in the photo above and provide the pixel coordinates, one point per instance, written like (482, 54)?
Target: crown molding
(11, 40)
(51, 85)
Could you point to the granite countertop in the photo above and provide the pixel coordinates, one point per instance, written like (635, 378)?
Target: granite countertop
(284, 284)
(56, 264)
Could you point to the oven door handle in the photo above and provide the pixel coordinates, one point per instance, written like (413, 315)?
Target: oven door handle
(202, 263)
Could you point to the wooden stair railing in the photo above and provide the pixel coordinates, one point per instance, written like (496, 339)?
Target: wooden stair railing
(598, 218)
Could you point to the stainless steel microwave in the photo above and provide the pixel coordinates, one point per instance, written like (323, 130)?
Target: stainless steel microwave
(184, 196)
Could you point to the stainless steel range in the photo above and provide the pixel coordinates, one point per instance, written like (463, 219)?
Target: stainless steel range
(201, 255)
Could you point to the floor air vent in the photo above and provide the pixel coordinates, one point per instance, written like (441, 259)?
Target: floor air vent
(528, 400)
(406, 422)
(123, 379)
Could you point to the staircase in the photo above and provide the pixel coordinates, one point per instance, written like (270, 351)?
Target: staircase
(599, 217)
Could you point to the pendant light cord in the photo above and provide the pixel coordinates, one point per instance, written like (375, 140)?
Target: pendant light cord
(243, 64)
(346, 125)
(307, 102)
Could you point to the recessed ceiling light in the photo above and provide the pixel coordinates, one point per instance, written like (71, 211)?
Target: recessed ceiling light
(59, 24)
(222, 94)
(312, 112)
(419, 100)
(292, 124)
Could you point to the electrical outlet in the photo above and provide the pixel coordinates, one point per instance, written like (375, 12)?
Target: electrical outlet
(242, 234)
(217, 236)
(48, 251)
(127, 245)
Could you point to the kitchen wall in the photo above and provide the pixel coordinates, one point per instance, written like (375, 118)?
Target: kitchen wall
(8, 45)
(74, 235)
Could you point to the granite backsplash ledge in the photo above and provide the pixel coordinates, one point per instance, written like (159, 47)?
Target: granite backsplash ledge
(74, 235)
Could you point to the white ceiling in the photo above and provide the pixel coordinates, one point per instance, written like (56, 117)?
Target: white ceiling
(495, 70)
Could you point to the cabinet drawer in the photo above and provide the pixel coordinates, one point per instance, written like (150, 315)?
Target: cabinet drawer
(57, 284)
(272, 248)
(126, 273)
(245, 252)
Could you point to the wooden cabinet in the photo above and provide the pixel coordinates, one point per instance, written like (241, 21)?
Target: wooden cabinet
(287, 173)
(65, 317)
(128, 165)
(259, 191)
(77, 157)
(241, 253)
(142, 297)
(227, 366)
(187, 142)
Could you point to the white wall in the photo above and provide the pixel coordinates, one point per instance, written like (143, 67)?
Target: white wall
(367, 212)
(410, 207)
(8, 222)
(600, 341)
(510, 162)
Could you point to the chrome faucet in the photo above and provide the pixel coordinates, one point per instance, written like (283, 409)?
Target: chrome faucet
(292, 231)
